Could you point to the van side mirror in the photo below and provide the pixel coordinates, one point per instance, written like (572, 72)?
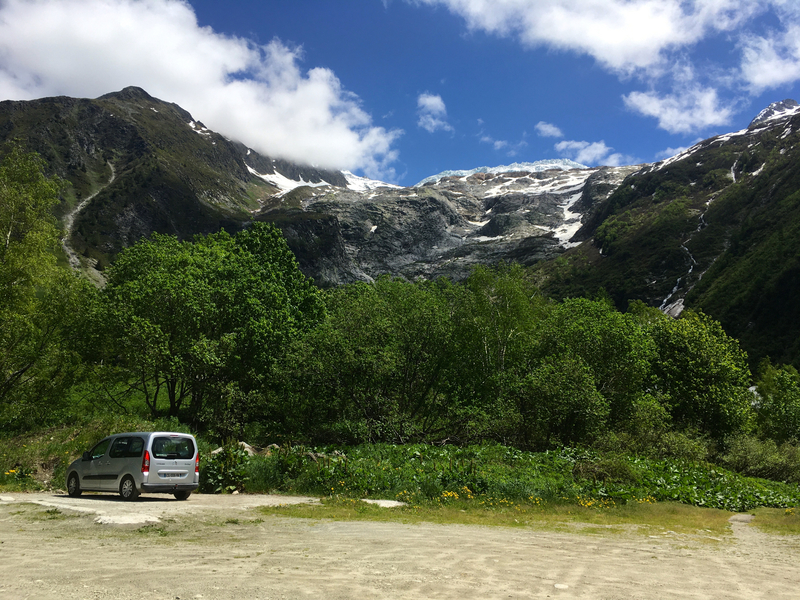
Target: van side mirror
(87, 456)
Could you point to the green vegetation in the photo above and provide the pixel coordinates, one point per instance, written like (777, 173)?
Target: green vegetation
(200, 323)
(39, 300)
(491, 475)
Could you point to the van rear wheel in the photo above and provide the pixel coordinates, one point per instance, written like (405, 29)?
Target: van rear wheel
(182, 495)
(127, 489)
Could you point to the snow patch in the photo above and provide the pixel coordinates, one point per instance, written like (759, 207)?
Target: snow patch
(679, 156)
(775, 111)
(283, 183)
(557, 185)
(571, 223)
(199, 128)
(364, 184)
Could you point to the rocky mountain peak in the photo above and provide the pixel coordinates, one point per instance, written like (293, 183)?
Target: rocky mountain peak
(776, 110)
(129, 93)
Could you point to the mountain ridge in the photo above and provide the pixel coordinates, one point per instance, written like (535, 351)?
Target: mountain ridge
(711, 228)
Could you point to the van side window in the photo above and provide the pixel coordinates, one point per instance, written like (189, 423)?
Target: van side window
(100, 449)
(119, 449)
(135, 447)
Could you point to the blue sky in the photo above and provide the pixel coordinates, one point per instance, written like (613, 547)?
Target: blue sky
(402, 89)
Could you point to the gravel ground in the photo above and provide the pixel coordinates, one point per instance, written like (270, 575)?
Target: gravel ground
(55, 547)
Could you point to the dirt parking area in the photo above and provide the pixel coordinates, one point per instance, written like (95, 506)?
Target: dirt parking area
(221, 547)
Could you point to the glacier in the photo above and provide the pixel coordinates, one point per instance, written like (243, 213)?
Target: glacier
(532, 167)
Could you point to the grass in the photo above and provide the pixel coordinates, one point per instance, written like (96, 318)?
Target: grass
(782, 521)
(641, 518)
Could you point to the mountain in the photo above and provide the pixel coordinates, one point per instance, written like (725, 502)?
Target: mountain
(138, 164)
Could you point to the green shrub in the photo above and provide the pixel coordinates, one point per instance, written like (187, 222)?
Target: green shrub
(607, 468)
(763, 458)
(422, 474)
(225, 471)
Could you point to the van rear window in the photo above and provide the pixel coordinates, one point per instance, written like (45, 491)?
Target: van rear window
(173, 447)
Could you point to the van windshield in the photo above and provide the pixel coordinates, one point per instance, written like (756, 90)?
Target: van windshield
(173, 447)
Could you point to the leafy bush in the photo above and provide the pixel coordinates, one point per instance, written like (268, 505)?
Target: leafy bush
(763, 458)
(421, 473)
(778, 403)
(225, 471)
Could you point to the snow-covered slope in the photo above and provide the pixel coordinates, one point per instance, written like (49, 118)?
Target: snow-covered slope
(363, 184)
(283, 183)
(776, 110)
(531, 167)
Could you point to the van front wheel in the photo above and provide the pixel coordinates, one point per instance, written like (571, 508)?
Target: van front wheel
(182, 495)
(127, 489)
(73, 486)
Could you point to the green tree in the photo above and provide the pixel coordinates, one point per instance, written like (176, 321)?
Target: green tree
(186, 320)
(778, 404)
(375, 371)
(701, 375)
(39, 301)
(496, 312)
(28, 232)
(557, 403)
(612, 346)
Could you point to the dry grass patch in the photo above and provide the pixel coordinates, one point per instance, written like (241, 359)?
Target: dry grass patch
(783, 521)
(637, 517)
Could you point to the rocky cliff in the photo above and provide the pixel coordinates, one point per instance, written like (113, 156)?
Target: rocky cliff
(446, 226)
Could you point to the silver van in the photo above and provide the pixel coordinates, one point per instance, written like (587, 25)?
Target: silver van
(159, 462)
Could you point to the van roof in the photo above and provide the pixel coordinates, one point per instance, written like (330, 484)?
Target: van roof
(151, 433)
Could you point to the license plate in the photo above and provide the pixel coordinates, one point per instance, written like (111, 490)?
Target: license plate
(166, 475)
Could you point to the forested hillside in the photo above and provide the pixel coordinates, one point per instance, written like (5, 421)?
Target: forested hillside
(715, 228)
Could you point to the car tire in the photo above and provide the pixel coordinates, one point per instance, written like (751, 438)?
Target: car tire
(74, 485)
(182, 495)
(127, 489)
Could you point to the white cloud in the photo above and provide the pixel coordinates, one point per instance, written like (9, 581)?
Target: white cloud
(432, 113)
(768, 63)
(257, 94)
(548, 130)
(592, 153)
(688, 110)
(623, 35)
